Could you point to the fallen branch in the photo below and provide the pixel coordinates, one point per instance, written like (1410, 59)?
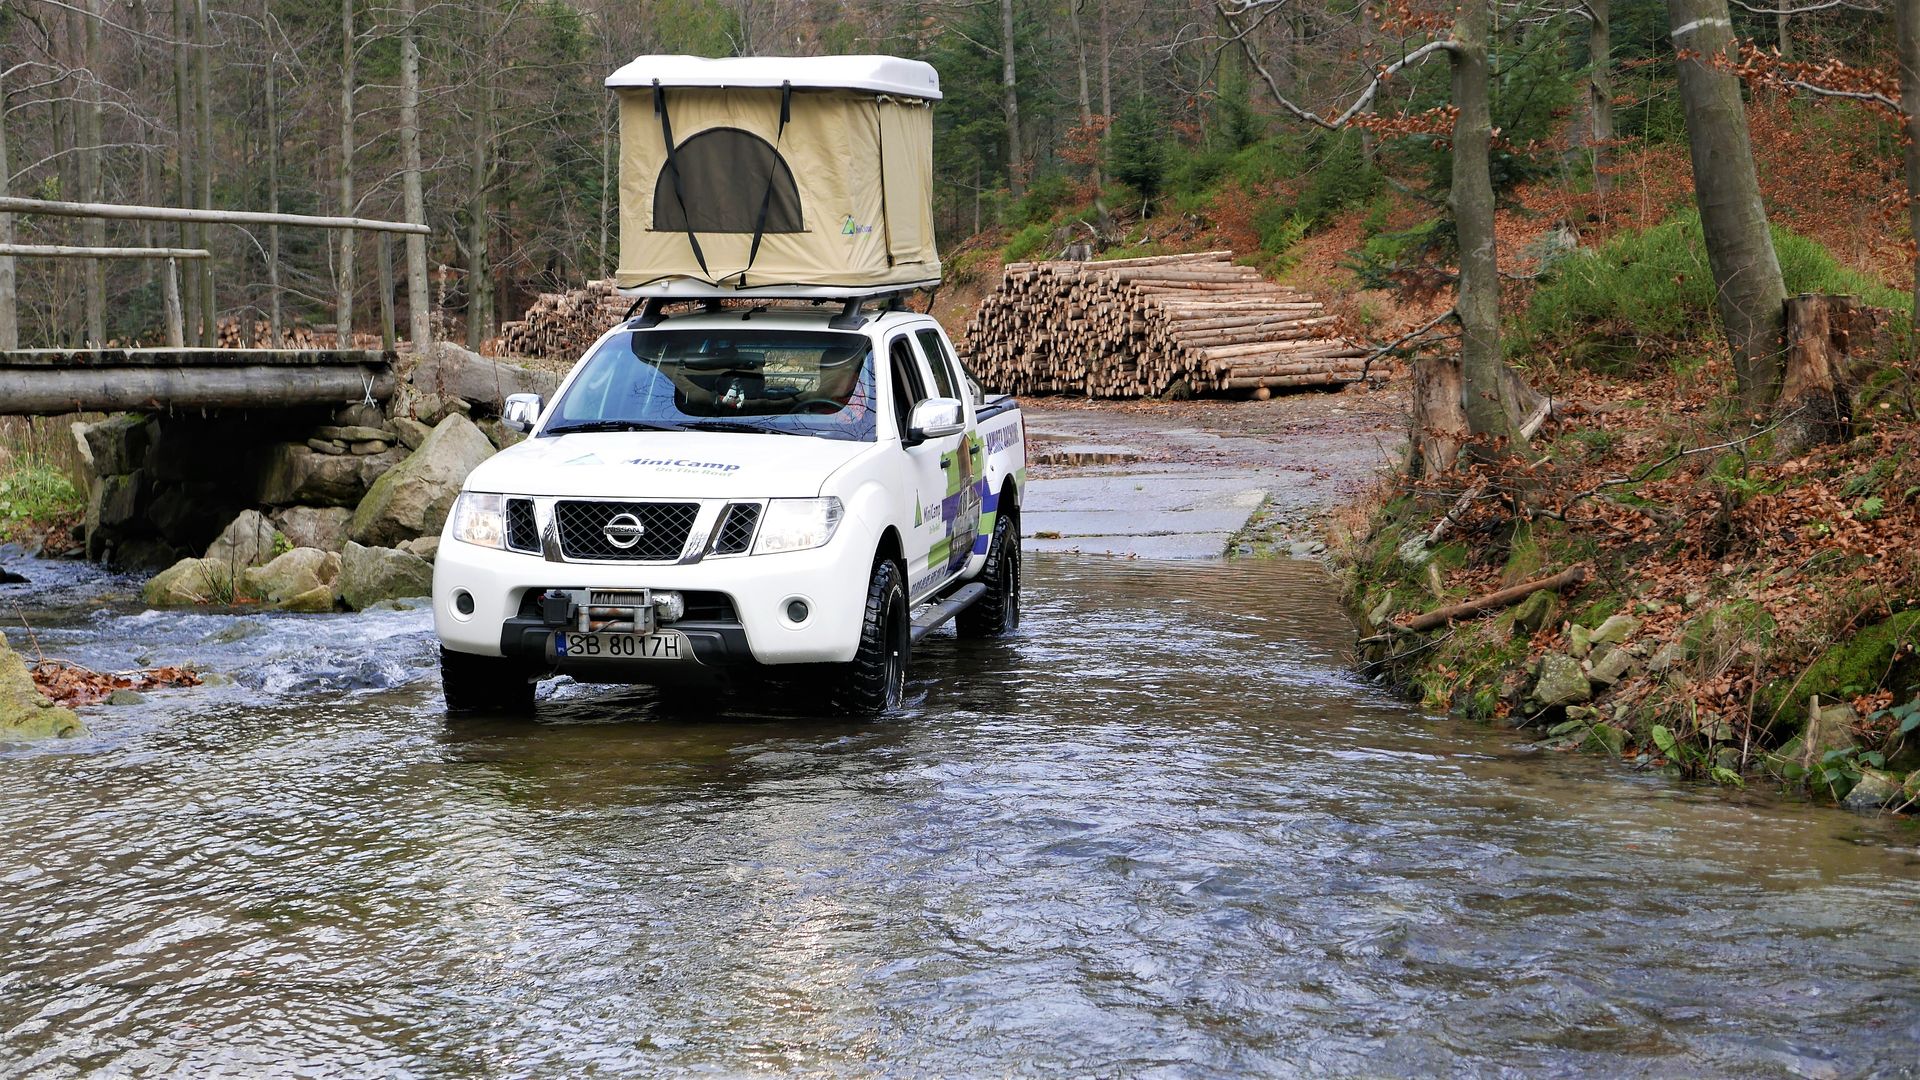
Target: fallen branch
(1495, 600)
(1452, 516)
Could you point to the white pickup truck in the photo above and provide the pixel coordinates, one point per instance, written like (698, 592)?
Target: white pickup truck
(736, 492)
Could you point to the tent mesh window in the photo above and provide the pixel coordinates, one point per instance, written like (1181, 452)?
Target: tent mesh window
(724, 173)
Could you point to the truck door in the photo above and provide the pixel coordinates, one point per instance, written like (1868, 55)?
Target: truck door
(927, 550)
(967, 466)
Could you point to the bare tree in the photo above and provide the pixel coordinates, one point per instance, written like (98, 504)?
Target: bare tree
(1906, 22)
(9, 280)
(1010, 99)
(419, 315)
(343, 274)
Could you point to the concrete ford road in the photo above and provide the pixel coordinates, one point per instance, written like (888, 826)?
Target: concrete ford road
(729, 493)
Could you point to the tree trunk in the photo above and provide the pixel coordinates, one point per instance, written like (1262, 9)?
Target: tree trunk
(209, 329)
(148, 267)
(1783, 33)
(1010, 98)
(1106, 62)
(273, 181)
(1489, 403)
(1906, 20)
(419, 310)
(1746, 272)
(190, 234)
(1098, 175)
(479, 162)
(343, 274)
(1600, 92)
(9, 280)
(95, 230)
(383, 250)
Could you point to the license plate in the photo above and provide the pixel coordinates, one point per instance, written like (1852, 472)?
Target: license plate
(666, 645)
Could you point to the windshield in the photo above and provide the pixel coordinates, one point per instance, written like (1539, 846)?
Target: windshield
(793, 382)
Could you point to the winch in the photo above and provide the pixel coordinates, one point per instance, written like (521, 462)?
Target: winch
(610, 611)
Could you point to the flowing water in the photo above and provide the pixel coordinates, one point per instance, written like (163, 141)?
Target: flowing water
(1161, 832)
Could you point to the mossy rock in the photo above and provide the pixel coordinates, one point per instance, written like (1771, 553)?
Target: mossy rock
(1600, 611)
(1882, 655)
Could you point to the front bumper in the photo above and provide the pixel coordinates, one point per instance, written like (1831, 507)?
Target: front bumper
(758, 588)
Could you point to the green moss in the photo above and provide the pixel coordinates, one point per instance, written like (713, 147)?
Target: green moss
(1599, 611)
(1732, 621)
(1880, 656)
(1450, 556)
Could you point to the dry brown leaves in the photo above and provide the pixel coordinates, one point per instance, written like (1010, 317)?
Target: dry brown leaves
(71, 685)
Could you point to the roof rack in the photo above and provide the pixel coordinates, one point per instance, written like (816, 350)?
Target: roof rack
(649, 311)
(685, 288)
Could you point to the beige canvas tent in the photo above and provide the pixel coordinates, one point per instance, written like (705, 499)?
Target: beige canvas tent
(794, 175)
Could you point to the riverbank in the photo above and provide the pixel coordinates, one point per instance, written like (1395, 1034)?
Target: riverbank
(1744, 617)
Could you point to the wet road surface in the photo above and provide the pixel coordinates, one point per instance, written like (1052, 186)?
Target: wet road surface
(1161, 832)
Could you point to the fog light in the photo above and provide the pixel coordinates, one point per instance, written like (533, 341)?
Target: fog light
(463, 602)
(669, 606)
(797, 611)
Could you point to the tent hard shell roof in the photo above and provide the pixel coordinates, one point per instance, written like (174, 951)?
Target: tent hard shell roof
(877, 74)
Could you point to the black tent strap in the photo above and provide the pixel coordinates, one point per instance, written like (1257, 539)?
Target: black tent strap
(773, 173)
(673, 169)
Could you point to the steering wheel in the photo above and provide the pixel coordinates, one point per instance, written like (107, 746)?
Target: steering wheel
(810, 404)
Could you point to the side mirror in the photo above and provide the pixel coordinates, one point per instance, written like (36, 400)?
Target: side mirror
(936, 418)
(521, 412)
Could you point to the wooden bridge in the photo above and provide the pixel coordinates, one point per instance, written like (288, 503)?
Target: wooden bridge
(50, 382)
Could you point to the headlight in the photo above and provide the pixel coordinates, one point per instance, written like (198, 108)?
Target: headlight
(798, 524)
(480, 519)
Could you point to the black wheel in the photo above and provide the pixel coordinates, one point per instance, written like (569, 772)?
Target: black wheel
(998, 612)
(485, 683)
(877, 678)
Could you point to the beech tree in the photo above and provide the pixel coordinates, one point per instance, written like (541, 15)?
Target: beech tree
(1746, 271)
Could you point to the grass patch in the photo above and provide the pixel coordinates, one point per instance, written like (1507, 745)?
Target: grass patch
(36, 495)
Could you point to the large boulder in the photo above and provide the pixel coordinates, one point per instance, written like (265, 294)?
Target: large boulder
(294, 575)
(24, 712)
(323, 527)
(115, 445)
(249, 540)
(189, 582)
(413, 499)
(294, 474)
(449, 371)
(369, 575)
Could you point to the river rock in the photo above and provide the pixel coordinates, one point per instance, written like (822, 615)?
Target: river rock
(318, 600)
(295, 475)
(25, 713)
(412, 433)
(352, 433)
(498, 433)
(450, 371)
(125, 697)
(113, 501)
(427, 547)
(323, 527)
(1829, 728)
(371, 446)
(414, 498)
(1875, 789)
(1615, 630)
(369, 575)
(1559, 682)
(1610, 667)
(248, 540)
(1531, 615)
(326, 446)
(294, 574)
(189, 582)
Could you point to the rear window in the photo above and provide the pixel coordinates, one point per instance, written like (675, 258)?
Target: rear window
(787, 381)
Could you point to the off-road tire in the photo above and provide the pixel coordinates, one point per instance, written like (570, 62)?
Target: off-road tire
(998, 612)
(496, 684)
(876, 679)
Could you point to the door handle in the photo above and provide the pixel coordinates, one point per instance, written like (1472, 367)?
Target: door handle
(946, 461)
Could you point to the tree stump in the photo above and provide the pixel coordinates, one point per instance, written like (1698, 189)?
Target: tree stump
(1815, 406)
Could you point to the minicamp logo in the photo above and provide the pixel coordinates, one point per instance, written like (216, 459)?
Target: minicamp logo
(850, 227)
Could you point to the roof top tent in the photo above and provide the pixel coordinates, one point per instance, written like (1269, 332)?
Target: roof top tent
(776, 176)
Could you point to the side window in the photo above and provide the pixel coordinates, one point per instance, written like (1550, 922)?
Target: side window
(940, 357)
(937, 363)
(907, 388)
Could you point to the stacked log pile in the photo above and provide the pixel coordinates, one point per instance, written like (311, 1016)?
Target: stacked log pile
(1136, 327)
(560, 326)
(231, 335)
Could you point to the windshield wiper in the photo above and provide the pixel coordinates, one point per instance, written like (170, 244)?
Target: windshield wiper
(726, 425)
(606, 425)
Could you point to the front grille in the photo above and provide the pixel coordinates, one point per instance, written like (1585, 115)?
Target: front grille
(702, 606)
(736, 529)
(522, 532)
(662, 534)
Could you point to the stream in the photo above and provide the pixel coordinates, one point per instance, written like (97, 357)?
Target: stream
(1163, 831)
